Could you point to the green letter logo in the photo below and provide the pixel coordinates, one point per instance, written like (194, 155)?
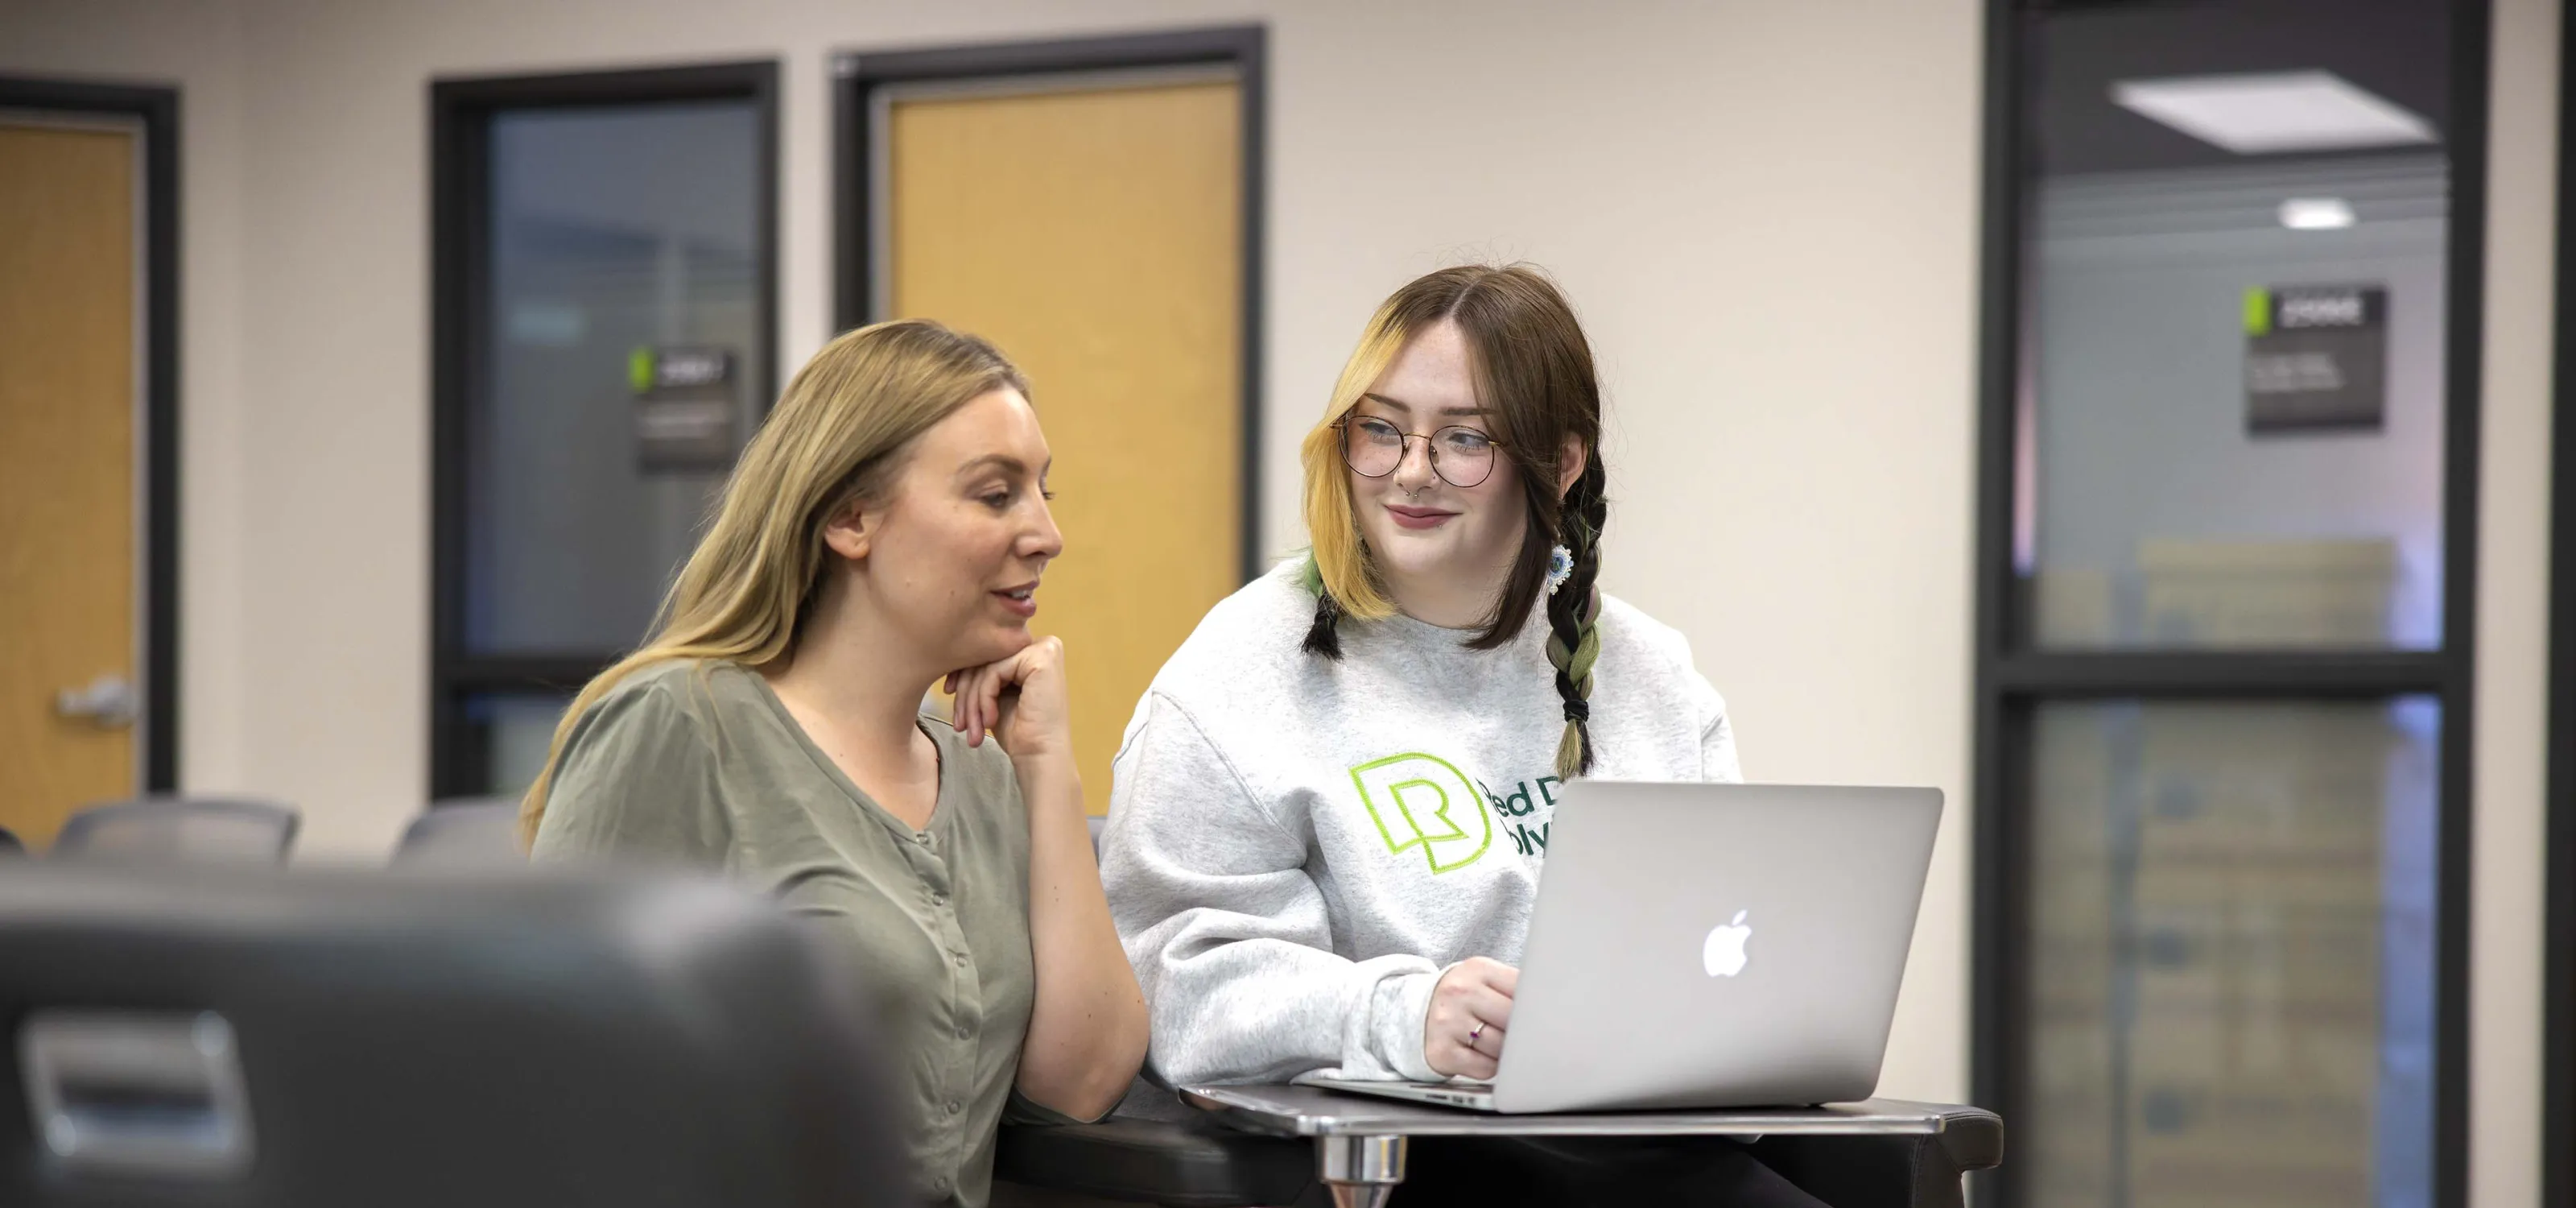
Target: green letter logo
(1422, 801)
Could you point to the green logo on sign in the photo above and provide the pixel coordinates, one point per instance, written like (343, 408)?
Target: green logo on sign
(1423, 801)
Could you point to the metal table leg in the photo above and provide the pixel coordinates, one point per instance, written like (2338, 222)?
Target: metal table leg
(1361, 1171)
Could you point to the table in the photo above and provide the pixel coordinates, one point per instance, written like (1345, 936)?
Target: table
(1360, 1140)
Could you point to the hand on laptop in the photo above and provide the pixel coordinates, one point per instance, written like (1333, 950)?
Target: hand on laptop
(1470, 1008)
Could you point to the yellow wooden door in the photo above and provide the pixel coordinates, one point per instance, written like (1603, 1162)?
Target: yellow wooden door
(67, 489)
(1095, 234)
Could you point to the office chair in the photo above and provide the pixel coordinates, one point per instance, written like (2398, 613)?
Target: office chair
(176, 830)
(463, 832)
(9, 844)
(229, 1038)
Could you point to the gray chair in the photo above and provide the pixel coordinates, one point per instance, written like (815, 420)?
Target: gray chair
(180, 830)
(231, 1037)
(463, 832)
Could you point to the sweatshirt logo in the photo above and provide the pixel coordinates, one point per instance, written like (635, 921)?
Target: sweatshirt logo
(1424, 801)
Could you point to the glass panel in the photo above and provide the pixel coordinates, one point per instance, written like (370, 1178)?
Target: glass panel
(2232, 363)
(511, 733)
(613, 230)
(2230, 985)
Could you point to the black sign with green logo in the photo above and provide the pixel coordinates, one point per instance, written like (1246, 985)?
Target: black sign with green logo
(684, 408)
(2316, 358)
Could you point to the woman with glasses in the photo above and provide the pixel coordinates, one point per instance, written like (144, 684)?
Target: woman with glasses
(1331, 808)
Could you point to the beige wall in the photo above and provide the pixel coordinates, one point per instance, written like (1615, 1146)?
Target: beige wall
(2505, 1018)
(1767, 213)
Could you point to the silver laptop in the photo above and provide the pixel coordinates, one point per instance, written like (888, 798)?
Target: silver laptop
(1708, 945)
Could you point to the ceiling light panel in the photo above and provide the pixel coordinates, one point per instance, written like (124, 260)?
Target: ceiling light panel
(2270, 113)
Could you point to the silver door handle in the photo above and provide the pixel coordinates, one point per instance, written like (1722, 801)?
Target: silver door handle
(109, 702)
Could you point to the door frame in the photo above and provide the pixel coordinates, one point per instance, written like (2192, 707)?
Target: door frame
(157, 110)
(2013, 676)
(856, 77)
(460, 122)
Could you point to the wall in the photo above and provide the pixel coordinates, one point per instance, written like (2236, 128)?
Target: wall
(1783, 294)
(2506, 940)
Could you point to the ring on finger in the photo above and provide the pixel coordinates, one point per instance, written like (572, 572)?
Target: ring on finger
(1475, 1034)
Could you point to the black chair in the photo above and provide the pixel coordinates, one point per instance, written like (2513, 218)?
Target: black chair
(230, 1038)
(9, 844)
(463, 832)
(180, 830)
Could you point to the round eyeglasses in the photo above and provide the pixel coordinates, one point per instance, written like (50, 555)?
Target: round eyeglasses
(1462, 457)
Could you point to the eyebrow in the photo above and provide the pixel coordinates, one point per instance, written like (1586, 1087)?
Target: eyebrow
(1400, 405)
(1003, 461)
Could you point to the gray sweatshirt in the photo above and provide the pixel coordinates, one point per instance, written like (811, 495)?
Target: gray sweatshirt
(1297, 848)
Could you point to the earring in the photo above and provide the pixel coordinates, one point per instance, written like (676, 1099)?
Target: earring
(1560, 566)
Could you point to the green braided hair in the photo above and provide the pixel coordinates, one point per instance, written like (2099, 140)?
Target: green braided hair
(1324, 637)
(1573, 618)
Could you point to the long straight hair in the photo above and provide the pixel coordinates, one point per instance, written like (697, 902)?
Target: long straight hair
(836, 439)
(1533, 370)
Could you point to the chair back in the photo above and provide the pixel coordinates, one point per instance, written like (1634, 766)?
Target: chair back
(212, 1036)
(9, 844)
(180, 830)
(463, 832)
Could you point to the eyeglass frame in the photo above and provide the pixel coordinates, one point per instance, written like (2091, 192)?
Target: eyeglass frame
(1404, 449)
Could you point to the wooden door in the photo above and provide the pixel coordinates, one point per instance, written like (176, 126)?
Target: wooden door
(1095, 234)
(68, 271)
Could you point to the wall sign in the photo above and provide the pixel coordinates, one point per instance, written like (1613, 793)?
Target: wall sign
(2316, 358)
(684, 408)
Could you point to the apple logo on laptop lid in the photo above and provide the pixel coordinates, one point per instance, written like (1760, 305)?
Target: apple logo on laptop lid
(1723, 953)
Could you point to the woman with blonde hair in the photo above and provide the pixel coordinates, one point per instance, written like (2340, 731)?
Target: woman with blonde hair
(1332, 806)
(884, 531)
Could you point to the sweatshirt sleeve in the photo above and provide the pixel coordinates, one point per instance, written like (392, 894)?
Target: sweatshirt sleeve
(1229, 935)
(1717, 760)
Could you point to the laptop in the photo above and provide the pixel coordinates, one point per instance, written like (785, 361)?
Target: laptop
(1707, 945)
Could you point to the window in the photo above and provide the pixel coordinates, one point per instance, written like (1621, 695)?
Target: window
(2227, 517)
(606, 336)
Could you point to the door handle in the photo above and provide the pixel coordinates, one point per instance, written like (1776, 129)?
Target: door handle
(109, 702)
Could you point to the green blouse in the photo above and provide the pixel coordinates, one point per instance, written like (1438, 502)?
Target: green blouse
(698, 763)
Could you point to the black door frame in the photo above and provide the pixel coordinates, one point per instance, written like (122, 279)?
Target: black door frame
(157, 109)
(460, 115)
(2013, 677)
(856, 76)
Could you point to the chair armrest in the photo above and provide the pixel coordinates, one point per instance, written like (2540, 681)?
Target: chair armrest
(1130, 1160)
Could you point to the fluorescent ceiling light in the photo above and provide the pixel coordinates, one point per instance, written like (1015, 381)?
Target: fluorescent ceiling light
(2269, 112)
(2316, 214)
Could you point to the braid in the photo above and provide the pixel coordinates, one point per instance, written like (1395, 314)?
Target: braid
(1573, 616)
(1324, 637)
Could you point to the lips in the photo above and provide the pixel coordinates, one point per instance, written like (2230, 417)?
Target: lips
(1418, 518)
(1021, 600)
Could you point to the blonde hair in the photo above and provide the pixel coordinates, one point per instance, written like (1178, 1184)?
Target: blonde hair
(1341, 562)
(836, 438)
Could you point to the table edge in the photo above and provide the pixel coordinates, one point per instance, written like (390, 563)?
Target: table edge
(1891, 1117)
